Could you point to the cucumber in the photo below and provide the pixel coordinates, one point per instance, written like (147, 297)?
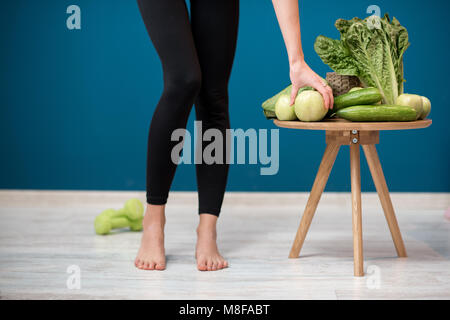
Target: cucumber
(357, 97)
(355, 89)
(377, 113)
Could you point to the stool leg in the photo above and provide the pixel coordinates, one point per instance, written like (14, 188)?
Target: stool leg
(356, 210)
(385, 199)
(323, 173)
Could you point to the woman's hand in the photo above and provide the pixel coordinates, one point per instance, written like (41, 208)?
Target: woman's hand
(302, 75)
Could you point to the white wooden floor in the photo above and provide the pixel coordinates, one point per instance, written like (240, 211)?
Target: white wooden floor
(44, 233)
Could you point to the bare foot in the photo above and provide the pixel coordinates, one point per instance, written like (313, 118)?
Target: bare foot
(151, 255)
(207, 253)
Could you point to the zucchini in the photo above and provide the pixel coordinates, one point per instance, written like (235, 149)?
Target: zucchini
(270, 114)
(377, 113)
(357, 97)
(355, 89)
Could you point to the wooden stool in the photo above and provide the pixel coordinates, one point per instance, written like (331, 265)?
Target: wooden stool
(341, 132)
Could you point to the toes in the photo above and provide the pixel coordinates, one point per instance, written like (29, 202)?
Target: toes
(149, 265)
(201, 267)
(201, 264)
(221, 264)
(140, 264)
(224, 264)
(160, 266)
(210, 265)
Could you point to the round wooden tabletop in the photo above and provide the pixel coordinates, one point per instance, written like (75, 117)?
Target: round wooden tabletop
(343, 125)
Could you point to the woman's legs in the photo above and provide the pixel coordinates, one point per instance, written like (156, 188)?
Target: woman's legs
(168, 25)
(169, 28)
(214, 26)
(213, 38)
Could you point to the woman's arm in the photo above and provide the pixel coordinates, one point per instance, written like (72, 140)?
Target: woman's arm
(300, 73)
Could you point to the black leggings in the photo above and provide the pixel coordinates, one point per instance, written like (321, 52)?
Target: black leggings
(196, 57)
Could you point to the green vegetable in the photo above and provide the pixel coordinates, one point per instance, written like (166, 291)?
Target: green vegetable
(357, 97)
(355, 89)
(411, 100)
(269, 105)
(375, 55)
(377, 113)
(269, 114)
(426, 107)
(309, 106)
(284, 110)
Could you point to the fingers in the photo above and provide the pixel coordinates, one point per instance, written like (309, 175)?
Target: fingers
(326, 97)
(294, 92)
(327, 94)
(330, 92)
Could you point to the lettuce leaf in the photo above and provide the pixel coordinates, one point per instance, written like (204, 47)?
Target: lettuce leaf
(374, 54)
(333, 53)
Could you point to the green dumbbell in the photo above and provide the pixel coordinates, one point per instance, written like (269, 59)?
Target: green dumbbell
(131, 215)
(132, 210)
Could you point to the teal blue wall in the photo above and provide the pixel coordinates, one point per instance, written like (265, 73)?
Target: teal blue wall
(76, 105)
